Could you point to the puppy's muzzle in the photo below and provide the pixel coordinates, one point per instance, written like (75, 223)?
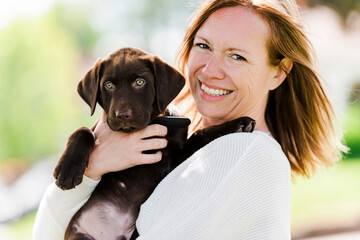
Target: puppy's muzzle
(127, 120)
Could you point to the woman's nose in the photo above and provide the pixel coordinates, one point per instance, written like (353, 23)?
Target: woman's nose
(214, 67)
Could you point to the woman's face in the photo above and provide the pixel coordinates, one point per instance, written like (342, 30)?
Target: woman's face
(228, 67)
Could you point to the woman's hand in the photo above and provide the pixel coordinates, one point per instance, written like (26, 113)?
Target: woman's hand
(116, 151)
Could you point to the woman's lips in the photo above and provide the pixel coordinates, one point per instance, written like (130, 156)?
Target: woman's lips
(213, 91)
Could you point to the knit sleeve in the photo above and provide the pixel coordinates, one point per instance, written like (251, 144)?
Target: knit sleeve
(57, 207)
(239, 188)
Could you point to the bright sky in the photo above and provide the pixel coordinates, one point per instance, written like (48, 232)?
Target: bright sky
(9, 10)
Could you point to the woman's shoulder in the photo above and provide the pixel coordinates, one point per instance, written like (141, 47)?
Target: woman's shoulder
(253, 146)
(244, 141)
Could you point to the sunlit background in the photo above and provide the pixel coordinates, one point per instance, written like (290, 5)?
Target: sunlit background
(47, 45)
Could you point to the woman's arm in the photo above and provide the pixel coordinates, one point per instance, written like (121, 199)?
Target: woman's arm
(114, 151)
(57, 208)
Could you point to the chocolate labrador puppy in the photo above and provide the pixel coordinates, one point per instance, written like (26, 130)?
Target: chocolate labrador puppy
(134, 89)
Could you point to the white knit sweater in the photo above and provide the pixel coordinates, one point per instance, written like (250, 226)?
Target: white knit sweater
(236, 187)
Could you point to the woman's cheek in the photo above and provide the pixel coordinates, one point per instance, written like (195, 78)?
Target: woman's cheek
(192, 70)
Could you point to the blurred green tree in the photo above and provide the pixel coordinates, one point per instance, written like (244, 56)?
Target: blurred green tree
(343, 7)
(352, 131)
(76, 21)
(157, 14)
(39, 61)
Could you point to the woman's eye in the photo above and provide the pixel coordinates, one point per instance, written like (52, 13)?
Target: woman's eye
(202, 45)
(109, 85)
(238, 57)
(140, 82)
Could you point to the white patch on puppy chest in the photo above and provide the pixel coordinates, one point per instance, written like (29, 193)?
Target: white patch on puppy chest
(122, 185)
(103, 222)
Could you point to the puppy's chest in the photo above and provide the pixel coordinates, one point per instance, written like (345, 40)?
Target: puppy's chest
(112, 211)
(105, 221)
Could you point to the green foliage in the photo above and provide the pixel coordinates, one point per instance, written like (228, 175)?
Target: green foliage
(76, 22)
(38, 72)
(352, 130)
(343, 7)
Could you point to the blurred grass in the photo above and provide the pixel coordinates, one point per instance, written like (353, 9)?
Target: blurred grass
(22, 230)
(330, 199)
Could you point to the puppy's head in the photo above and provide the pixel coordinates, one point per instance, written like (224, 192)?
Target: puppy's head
(132, 86)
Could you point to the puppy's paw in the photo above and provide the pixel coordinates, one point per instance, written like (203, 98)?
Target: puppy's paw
(71, 166)
(242, 124)
(245, 124)
(67, 174)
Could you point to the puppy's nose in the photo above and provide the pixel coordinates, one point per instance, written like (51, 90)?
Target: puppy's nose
(123, 114)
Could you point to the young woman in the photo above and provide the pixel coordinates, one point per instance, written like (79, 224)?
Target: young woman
(241, 58)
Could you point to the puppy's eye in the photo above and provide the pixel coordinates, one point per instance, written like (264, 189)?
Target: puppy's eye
(109, 85)
(140, 81)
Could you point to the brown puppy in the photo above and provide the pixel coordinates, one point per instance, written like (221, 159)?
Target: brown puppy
(133, 88)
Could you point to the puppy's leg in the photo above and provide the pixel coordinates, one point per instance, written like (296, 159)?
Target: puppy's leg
(71, 166)
(204, 136)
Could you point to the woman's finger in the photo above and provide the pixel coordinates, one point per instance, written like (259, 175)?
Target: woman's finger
(102, 130)
(101, 124)
(152, 130)
(152, 144)
(149, 158)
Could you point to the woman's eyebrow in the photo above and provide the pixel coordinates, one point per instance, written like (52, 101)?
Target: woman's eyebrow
(228, 49)
(238, 49)
(201, 38)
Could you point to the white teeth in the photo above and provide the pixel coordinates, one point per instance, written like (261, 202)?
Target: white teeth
(214, 92)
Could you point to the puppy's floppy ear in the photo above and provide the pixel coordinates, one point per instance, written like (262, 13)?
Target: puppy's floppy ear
(88, 86)
(168, 83)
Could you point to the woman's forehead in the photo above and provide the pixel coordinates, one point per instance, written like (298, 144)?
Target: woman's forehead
(233, 25)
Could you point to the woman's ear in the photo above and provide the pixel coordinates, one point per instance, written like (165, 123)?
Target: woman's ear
(281, 72)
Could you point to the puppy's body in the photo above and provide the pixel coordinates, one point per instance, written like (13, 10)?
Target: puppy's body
(115, 203)
(113, 207)
(133, 88)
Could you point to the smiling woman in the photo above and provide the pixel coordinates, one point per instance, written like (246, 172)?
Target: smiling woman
(266, 65)
(241, 58)
(234, 62)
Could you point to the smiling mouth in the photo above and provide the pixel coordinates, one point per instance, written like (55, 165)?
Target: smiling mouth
(214, 92)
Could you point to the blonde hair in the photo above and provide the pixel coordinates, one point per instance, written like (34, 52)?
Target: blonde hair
(298, 113)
